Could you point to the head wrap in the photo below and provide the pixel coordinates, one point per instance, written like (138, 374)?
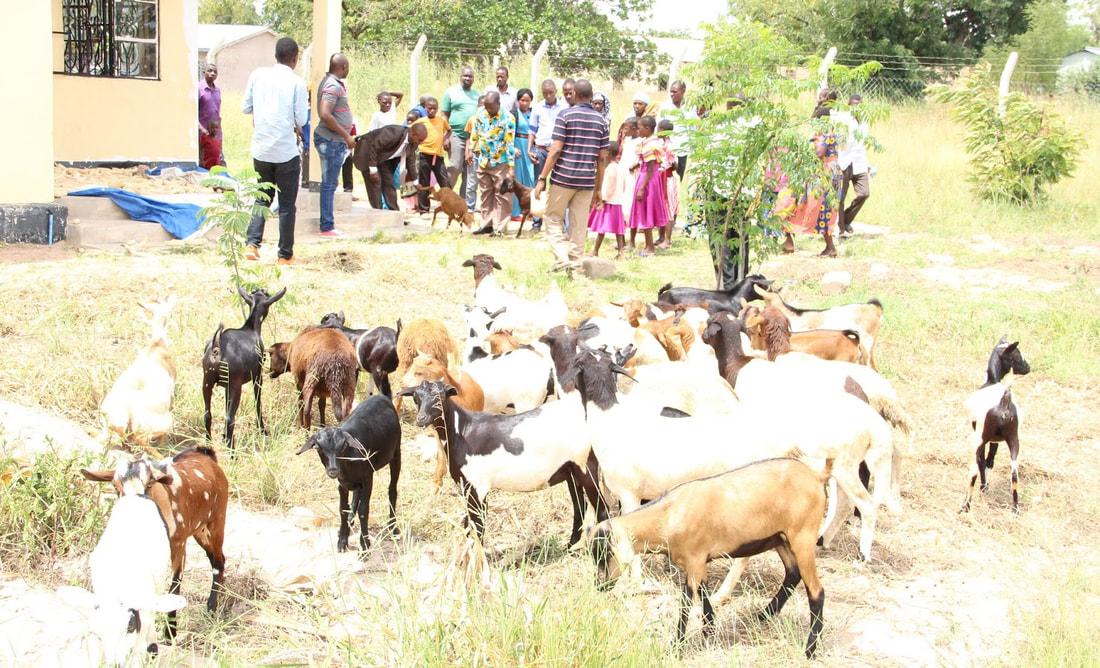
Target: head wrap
(641, 97)
(606, 105)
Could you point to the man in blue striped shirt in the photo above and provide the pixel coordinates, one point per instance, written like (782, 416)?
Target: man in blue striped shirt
(574, 168)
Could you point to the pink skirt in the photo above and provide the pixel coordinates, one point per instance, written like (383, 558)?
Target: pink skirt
(608, 219)
(652, 210)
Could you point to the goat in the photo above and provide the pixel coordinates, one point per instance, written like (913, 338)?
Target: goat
(519, 378)
(524, 452)
(633, 445)
(375, 349)
(324, 366)
(470, 396)
(775, 504)
(139, 405)
(617, 335)
(452, 205)
(502, 342)
(527, 319)
(730, 298)
(351, 452)
(430, 336)
(770, 330)
(865, 319)
(191, 492)
(127, 567)
(234, 357)
(995, 418)
(523, 196)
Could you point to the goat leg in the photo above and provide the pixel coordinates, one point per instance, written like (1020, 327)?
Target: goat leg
(790, 580)
(362, 509)
(174, 588)
(1014, 452)
(395, 473)
(257, 392)
(232, 403)
(207, 392)
(975, 469)
(345, 530)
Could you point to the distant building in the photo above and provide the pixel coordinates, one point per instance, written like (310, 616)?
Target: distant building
(236, 50)
(1080, 61)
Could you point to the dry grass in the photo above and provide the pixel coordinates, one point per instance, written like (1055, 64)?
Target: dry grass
(943, 588)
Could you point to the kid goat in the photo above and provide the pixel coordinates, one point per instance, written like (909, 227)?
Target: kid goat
(234, 357)
(994, 418)
(375, 349)
(324, 366)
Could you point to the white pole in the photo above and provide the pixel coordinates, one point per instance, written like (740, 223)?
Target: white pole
(1006, 78)
(536, 63)
(496, 62)
(414, 70)
(823, 69)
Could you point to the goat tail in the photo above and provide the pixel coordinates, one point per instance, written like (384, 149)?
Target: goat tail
(215, 345)
(890, 409)
(664, 288)
(853, 336)
(337, 373)
(206, 450)
(827, 470)
(876, 303)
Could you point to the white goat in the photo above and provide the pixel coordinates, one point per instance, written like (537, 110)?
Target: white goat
(527, 319)
(139, 405)
(520, 378)
(129, 570)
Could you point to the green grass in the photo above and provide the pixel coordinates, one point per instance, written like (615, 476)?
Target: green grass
(1064, 628)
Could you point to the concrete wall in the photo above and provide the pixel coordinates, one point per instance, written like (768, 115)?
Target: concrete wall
(99, 119)
(28, 176)
(236, 61)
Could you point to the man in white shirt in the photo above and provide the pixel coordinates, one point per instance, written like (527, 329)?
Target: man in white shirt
(674, 109)
(543, 116)
(852, 158)
(279, 104)
(507, 95)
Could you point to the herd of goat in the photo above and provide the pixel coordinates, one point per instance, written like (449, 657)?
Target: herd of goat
(537, 397)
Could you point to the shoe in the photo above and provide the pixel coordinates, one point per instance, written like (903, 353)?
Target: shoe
(286, 261)
(488, 229)
(252, 253)
(330, 234)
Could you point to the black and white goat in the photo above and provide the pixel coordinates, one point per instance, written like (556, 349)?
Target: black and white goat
(524, 452)
(994, 417)
(234, 357)
(729, 299)
(351, 452)
(375, 348)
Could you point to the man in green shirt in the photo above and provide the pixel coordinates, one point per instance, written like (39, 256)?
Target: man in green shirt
(459, 104)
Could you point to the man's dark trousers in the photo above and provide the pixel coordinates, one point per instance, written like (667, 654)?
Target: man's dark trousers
(285, 177)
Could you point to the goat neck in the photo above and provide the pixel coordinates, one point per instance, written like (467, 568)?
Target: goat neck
(731, 356)
(995, 370)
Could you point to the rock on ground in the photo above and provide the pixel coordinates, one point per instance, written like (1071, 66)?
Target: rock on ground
(835, 282)
(597, 267)
(26, 433)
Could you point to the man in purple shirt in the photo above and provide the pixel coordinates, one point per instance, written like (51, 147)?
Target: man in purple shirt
(210, 103)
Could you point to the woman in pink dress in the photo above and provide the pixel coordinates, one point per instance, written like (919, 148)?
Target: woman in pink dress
(608, 217)
(650, 208)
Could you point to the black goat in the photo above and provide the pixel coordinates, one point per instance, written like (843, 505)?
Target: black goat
(728, 299)
(234, 357)
(351, 452)
(375, 348)
(524, 452)
(994, 418)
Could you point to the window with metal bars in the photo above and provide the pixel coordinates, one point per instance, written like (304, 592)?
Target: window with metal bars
(111, 38)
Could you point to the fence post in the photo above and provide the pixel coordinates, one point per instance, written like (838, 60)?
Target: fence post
(414, 70)
(823, 69)
(536, 63)
(1006, 78)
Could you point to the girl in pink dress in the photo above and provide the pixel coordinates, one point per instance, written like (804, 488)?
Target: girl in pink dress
(650, 208)
(608, 217)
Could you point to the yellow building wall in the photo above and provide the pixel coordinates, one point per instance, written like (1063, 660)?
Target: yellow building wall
(101, 119)
(28, 175)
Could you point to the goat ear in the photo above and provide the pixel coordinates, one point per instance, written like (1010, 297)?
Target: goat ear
(588, 330)
(494, 314)
(407, 392)
(760, 291)
(1011, 347)
(244, 295)
(353, 443)
(163, 478)
(276, 297)
(496, 265)
(449, 390)
(98, 476)
(311, 442)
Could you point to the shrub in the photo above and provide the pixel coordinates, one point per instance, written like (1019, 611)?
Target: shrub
(1015, 157)
(48, 513)
(1084, 82)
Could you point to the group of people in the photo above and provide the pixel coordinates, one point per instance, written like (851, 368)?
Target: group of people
(483, 142)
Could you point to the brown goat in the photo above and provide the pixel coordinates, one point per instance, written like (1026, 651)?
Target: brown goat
(191, 492)
(432, 337)
(523, 195)
(775, 504)
(673, 335)
(770, 330)
(470, 396)
(865, 319)
(453, 206)
(324, 365)
(502, 342)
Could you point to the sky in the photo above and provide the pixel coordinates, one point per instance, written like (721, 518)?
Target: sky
(685, 14)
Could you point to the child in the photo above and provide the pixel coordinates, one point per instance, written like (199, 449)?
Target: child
(210, 146)
(608, 218)
(650, 195)
(669, 183)
(432, 153)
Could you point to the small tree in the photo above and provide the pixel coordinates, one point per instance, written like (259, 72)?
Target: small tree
(1015, 157)
(232, 212)
(753, 134)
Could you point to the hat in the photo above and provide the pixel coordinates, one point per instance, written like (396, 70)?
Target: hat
(641, 97)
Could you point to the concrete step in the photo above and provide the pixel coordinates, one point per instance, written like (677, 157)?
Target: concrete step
(89, 232)
(96, 208)
(310, 202)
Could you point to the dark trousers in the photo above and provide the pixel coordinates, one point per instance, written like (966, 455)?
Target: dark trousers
(384, 190)
(862, 185)
(681, 165)
(346, 174)
(285, 177)
(729, 255)
(540, 162)
(430, 164)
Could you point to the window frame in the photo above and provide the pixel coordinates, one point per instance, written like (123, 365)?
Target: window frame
(109, 39)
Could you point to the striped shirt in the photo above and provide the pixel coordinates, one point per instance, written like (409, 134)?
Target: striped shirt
(584, 133)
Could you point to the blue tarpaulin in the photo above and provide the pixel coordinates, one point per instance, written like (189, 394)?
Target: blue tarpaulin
(178, 219)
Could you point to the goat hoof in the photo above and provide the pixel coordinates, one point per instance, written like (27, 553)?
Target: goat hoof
(965, 508)
(152, 648)
(342, 545)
